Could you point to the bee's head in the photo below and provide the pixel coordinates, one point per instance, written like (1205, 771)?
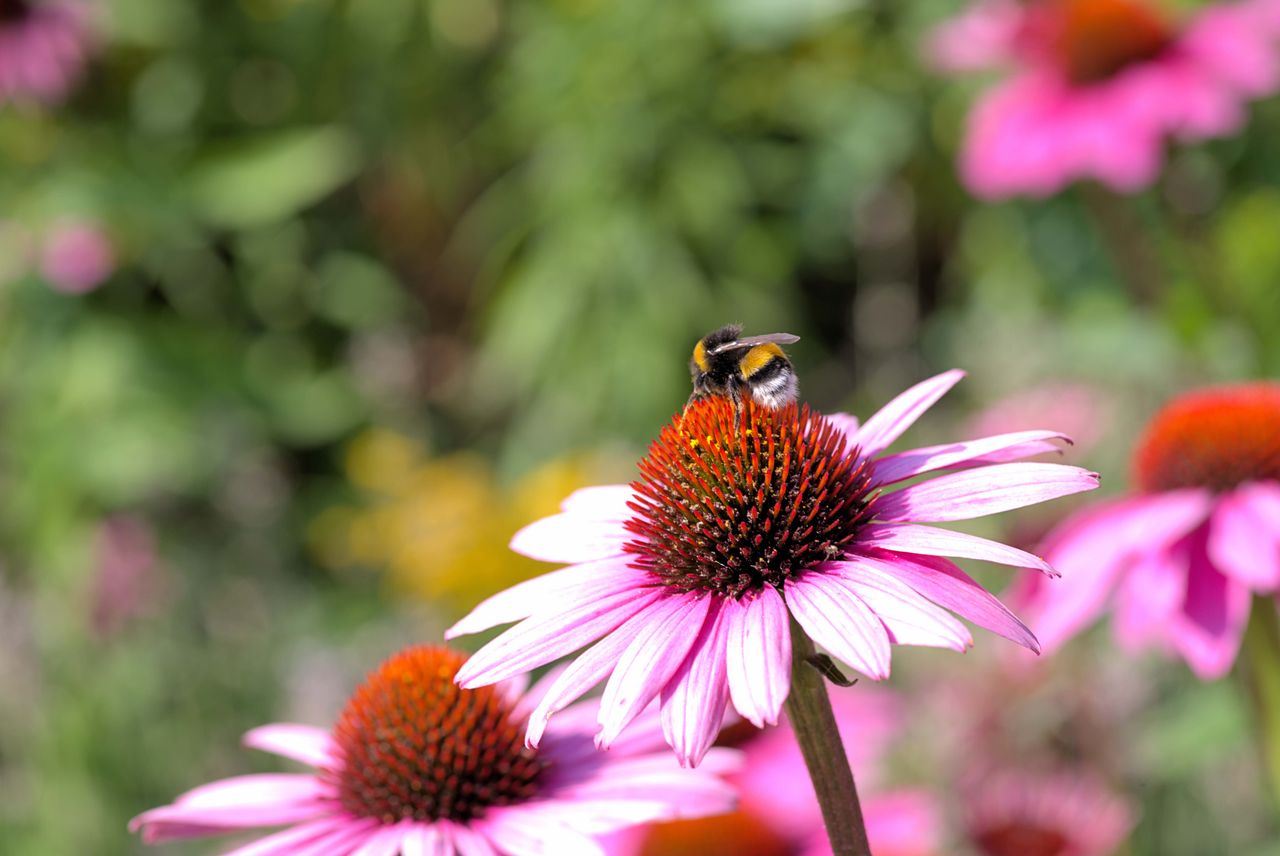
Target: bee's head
(723, 358)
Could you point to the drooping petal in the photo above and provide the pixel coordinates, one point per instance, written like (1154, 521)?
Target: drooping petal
(241, 802)
(694, 700)
(304, 743)
(304, 840)
(1148, 596)
(929, 541)
(1213, 615)
(759, 656)
(841, 622)
(383, 842)
(583, 582)
(523, 833)
(977, 493)
(470, 842)
(988, 450)
(910, 618)
(423, 840)
(946, 585)
(1096, 544)
(543, 638)
(1242, 542)
(650, 661)
(889, 423)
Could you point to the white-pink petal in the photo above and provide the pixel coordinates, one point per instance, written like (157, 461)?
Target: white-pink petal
(910, 618)
(988, 450)
(1243, 544)
(551, 591)
(542, 639)
(892, 420)
(470, 842)
(650, 661)
(304, 839)
(929, 541)
(304, 743)
(987, 490)
(759, 655)
(841, 622)
(694, 700)
(526, 833)
(421, 839)
(383, 842)
(570, 538)
(946, 585)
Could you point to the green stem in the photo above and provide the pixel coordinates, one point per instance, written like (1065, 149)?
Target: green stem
(1260, 667)
(809, 710)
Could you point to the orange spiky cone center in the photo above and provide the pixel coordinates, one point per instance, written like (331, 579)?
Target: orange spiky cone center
(1095, 39)
(414, 746)
(734, 496)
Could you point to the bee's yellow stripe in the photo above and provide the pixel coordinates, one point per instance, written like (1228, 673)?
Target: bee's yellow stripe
(700, 356)
(758, 357)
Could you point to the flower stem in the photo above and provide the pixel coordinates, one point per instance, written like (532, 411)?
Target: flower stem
(1260, 668)
(809, 710)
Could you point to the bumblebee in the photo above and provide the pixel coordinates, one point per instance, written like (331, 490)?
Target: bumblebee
(725, 363)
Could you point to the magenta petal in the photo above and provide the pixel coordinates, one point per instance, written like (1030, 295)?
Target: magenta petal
(542, 639)
(977, 493)
(1213, 617)
(988, 450)
(694, 700)
(650, 661)
(928, 541)
(841, 622)
(1148, 597)
(1242, 542)
(304, 743)
(946, 585)
(759, 656)
(550, 591)
(889, 423)
(910, 618)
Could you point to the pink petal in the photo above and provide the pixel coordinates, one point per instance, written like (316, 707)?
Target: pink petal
(987, 490)
(470, 842)
(946, 585)
(550, 591)
(304, 743)
(1213, 617)
(523, 833)
(384, 842)
(571, 538)
(423, 840)
(1094, 545)
(1242, 542)
(889, 423)
(541, 639)
(694, 700)
(908, 616)
(841, 622)
(241, 802)
(602, 502)
(657, 781)
(298, 840)
(587, 670)
(928, 541)
(988, 450)
(759, 656)
(1148, 596)
(981, 36)
(650, 661)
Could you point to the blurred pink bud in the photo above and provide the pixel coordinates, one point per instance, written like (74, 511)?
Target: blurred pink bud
(128, 580)
(76, 258)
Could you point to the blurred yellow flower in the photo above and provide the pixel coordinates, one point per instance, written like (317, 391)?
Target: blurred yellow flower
(439, 527)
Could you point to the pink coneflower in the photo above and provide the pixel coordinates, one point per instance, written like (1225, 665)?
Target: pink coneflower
(1060, 814)
(416, 765)
(743, 519)
(77, 257)
(1184, 553)
(778, 813)
(1100, 85)
(43, 48)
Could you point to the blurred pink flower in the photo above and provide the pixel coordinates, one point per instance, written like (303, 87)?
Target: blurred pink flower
(1099, 85)
(1080, 411)
(454, 777)
(127, 581)
(745, 518)
(43, 48)
(76, 257)
(778, 812)
(1178, 561)
(1010, 813)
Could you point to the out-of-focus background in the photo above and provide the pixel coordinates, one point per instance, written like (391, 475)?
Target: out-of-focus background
(307, 305)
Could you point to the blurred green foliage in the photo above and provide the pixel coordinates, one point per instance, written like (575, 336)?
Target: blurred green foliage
(498, 227)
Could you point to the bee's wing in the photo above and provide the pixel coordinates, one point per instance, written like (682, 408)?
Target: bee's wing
(751, 341)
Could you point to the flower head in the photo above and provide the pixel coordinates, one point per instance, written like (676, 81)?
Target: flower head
(1182, 555)
(417, 765)
(744, 518)
(43, 48)
(1062, 814)
(1100, 85)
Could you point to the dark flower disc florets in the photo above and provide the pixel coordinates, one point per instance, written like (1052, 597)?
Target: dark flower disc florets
(414, 746)
(735, 496)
